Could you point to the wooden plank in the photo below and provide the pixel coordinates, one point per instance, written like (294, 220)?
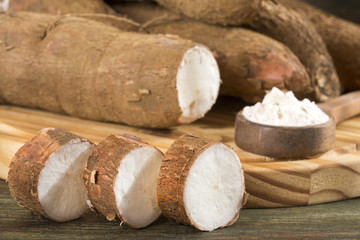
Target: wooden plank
(338, 220)
(271, 182)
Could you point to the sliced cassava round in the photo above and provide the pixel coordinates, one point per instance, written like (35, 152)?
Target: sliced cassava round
(277, 21)
(250, 63)
(120, 178)
(95, 71)
(45, 174)
(201, 183)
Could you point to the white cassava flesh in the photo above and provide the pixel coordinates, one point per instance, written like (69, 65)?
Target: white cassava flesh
(201, 183)
(120, 178)
(45, 174)
(135, 187)
(198, 83)
(214, 188)
(4, 5)
(61, 190)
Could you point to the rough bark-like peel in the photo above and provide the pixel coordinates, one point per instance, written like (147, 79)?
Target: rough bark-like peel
(92, 70)
(275, 20)
(30, 160)
(250, 63)
(102, 171)
(173, 176)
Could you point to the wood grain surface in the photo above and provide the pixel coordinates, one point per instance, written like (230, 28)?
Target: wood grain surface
(338, 220)
(271, 182)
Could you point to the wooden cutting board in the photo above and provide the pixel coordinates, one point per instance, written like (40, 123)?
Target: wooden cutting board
(270, 182)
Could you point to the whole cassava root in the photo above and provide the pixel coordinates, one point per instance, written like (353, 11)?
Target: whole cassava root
(281, 23)
(95, 71)
(341, 37)
(250, 63)
(120, 178)
(57, 6)
(201, 183)
(45, 174)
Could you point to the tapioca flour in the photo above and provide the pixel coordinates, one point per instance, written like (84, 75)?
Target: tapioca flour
(284, 109)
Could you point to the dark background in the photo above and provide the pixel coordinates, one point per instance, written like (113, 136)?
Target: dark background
(347, 9)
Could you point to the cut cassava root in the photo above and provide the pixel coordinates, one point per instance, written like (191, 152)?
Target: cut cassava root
(201, 183)
(45, 174)
(250, 63)
(120, 178)
(275, 20)
(104, 73)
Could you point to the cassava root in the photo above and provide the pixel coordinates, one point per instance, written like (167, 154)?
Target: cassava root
(45, 174)
(201, 183)
(275, 20)
(95, 71)
(120, 178)
(58, 7)
(250, 63)
(342, 39)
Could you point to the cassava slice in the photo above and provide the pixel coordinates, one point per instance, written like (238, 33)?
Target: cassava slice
(95, 71)
(4, 5)
(120, 178)
(201, 183)
(250, 63)
(45, 174)
(277, 21)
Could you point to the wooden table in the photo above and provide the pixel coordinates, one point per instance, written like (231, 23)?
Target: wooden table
(337, 220)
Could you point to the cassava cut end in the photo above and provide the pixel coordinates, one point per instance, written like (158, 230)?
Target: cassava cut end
(276, 21)
(45, 174)
(121, 180)
(197, 83)
(138, 79)
(201, 183)
(250, 63)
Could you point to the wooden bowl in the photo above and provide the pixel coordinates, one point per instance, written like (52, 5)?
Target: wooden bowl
(284, 142)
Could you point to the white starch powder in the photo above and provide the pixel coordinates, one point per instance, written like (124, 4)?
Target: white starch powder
(284, 109)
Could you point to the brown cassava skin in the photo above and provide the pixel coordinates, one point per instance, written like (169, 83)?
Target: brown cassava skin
(142, 12)
(223, 12)
(341, 37)
(90, 70)
(28, 162)
(101, 171)
(60, 7)
(250, 63)
(275, 20)
(118, 22)
(174, 170)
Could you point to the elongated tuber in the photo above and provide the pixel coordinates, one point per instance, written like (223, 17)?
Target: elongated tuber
(121, 179)
(201, 183)
(92, 70)
(275, 20)
(341, 37)
(250, 63)
(45, 174)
